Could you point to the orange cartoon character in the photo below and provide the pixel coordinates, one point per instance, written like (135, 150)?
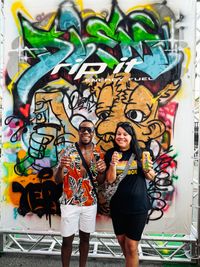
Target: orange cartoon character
(119, 98)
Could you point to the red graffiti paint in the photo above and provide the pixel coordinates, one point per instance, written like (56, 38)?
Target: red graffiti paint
(25, 110)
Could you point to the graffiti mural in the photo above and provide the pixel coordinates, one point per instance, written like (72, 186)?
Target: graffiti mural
(73, 62)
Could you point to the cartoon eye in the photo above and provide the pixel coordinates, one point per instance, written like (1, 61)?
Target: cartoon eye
(136, 115)
(40, 117)
(103, 115)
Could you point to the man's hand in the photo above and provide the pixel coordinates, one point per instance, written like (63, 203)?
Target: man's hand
(101, 166)
(65, 161)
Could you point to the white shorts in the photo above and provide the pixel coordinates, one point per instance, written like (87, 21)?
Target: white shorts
(75, 217)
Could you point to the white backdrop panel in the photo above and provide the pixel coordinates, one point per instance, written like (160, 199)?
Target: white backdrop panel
(144, 51)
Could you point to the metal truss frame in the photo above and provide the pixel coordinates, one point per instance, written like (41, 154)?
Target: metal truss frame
(196, 180)
(174, 248)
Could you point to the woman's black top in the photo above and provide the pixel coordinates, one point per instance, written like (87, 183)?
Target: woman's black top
(131, 196)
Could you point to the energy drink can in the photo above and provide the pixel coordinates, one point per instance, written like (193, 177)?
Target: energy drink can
(119, 155)
(146, 158)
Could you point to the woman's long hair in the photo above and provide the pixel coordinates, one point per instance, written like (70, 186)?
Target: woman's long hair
(134, 145)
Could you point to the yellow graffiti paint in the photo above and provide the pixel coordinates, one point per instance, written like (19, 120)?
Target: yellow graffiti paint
(29, 172)
(9, 145)
(50, 21)
(22, 67)
(187, 52)
(18, 6)
(9, 172)
(88, 13)
(167, 18)
(7, 179)
(183, 93)
(60, 83)
(80, 4)
(155, 99)
(139, 7)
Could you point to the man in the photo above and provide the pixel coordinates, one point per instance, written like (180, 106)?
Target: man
(79, 200)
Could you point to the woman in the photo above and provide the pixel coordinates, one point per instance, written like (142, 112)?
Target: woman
(130, 203)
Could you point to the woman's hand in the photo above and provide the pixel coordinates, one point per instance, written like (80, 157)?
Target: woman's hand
(115, 158)
(150, 174)
(111, 172)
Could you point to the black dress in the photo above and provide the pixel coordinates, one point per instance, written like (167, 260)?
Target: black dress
(130, 203)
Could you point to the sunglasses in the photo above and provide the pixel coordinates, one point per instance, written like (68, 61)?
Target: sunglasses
(88, 129)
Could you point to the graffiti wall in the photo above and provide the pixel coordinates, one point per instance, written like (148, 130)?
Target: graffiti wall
(108, 61)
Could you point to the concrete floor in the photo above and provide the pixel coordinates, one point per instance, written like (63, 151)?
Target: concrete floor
(24, 260)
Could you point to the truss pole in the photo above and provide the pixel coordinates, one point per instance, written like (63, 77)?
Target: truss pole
(1, 82)
(198, 209)
(1, 86)
(197, 69)
(1, 242)
(198, 185)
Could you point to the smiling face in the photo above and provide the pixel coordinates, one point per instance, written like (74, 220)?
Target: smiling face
(86, 132)
(122, 139)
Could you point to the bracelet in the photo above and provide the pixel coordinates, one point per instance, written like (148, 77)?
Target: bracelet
(112, 164)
